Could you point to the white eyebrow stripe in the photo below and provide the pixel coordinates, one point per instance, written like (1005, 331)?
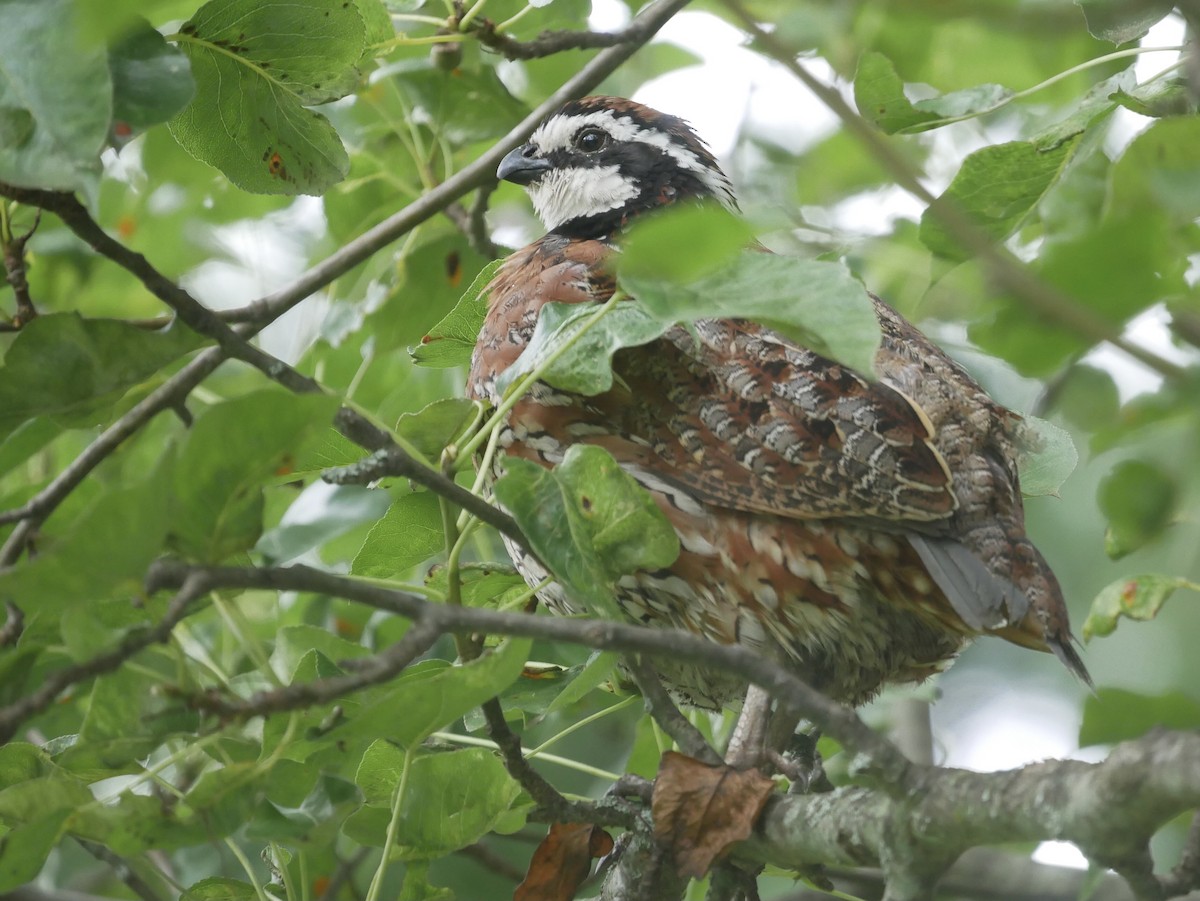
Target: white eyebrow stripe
(557, 132)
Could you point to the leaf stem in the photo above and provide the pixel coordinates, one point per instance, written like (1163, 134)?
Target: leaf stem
(519, 389)
(1052, 80)
(393, 826)
(586, 721)
(474, 742)
(470, 15)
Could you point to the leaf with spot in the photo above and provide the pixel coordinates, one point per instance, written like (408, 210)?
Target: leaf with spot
(258, 66)
(589, 521)
(1138, 598)
(452, 340)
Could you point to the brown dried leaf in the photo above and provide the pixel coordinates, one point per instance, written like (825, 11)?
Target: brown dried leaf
(562, 861)
(700, 810)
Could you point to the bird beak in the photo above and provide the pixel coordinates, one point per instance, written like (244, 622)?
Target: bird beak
(521, 167)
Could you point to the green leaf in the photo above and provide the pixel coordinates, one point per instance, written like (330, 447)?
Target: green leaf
(1088, 397)
(258, 65)
(377, 20)
(816, 303)
(1113, 715)
(879, 96)
(1160, 170)
(220, 888)
(452, 341)
(321, 514)
(24, 849)
(464, 105)
(409, 533)
(437, 425)
(55, 98)
(589, 521)
(997, 187)
(450, 800)
(481, 584)
(1158, 99)
(152, 81)
(586, 367)
(596, 671)
(683, 243)
(26, 440)
(72, 369)
(1046, 456)
(294, 642)
(1139, 499)
(226, 457)
(102, 550)
(420, 703)
(1137, 598)
(1121, 21)
(433, 270)
(21, 761)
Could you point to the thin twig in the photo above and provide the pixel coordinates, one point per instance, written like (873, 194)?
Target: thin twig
(389, 459)
(1007, 271)
(549, 42)
(14, 265)
(122, 869)
(552, 805)
(367, 672)
(660, 706)
(191, 587)
(14, 624)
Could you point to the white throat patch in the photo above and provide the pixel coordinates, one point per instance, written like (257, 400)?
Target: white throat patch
(565, 194)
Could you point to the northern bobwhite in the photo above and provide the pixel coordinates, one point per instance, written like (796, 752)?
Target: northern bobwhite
(861, 527)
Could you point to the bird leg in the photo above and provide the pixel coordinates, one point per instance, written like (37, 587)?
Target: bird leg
(748, 743)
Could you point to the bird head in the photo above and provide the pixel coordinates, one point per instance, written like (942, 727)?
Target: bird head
(599, 161)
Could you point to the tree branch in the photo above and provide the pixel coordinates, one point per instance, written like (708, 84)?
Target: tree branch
(881, 762)
(1149, 780)
(1002, 266)
(550, 42)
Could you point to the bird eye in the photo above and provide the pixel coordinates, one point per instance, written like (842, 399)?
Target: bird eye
(591, 139)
